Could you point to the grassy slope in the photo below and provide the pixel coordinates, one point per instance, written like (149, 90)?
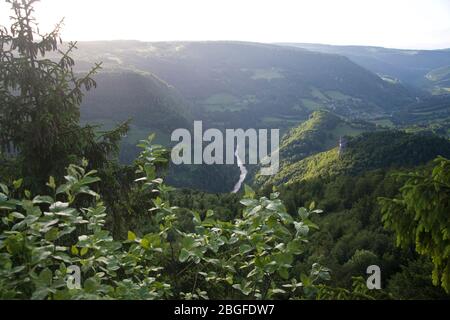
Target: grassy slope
(369, 151)
(321, 132)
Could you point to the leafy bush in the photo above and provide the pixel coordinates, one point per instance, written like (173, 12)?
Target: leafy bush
(44, 238)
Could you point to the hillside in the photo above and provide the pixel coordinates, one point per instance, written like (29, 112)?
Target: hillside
(368, 151)
(163, 86)
(431, 109)
(151, 104)
(440, 80)
(409, 66)
(153, 107)
(253, 85)
(321, 132)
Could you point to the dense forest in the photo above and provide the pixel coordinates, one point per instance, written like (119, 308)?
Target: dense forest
(83, 193)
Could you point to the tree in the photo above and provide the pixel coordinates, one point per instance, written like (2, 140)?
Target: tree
(421, 216)
(40, 99)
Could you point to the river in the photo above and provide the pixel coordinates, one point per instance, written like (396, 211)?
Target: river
(243, 169)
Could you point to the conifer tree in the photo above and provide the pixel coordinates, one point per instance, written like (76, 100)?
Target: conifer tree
(40, 99)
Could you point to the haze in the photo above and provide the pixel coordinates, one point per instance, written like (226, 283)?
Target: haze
(417, 24)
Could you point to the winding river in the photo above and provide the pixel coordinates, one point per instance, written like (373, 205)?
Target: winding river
(243, 169)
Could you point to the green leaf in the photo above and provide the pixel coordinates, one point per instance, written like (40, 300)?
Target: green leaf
(248, 192)
(303, 213)
(51, 183)
(188, 243)
(150, 138)
(243, 249)
(74, 250)
(131, 236)
(91, 285)
(43, 199)
(69, 212)
(84, 251)
(276, 291)
(301, 228)
(275, 206)
(52, 234)
(40, 293)
(46, 277)
(248, 202)
(63, 188)
(17, 215)
(184, 255)
(145, 243)
(4, 188)
(311, 224)
(284, 273)
(89, 180)
(17, 184)
(295, 247)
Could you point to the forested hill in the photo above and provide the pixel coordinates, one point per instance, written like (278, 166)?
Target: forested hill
(163, 86)
(151, 105)
(321, 132)
(412, 67)
(145, 98)
(249, 84)
(366, 152)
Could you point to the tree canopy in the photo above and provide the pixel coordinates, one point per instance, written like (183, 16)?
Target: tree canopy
(40, 98)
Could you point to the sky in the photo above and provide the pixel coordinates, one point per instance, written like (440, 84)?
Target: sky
(409, 24)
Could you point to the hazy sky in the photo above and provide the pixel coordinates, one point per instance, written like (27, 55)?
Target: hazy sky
(390, 23)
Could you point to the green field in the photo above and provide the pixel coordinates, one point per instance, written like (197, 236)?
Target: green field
(336, 95)
(316, 93)
(267, 74)
(383, 123)
(227, 102)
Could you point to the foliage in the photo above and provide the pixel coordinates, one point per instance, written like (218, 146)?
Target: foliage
(250, 256)
(420, 216)
(368, 151)
(352, 236)
(188, 244)
(359, 291)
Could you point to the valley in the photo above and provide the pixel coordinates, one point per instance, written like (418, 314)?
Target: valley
(389, 110)
(229, 85)
(220, 170)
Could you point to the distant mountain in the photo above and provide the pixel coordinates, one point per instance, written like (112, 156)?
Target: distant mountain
(253, 85)
(366, 152)
(430, 110)
(411, 67)
(440, 79)
(166, 85)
